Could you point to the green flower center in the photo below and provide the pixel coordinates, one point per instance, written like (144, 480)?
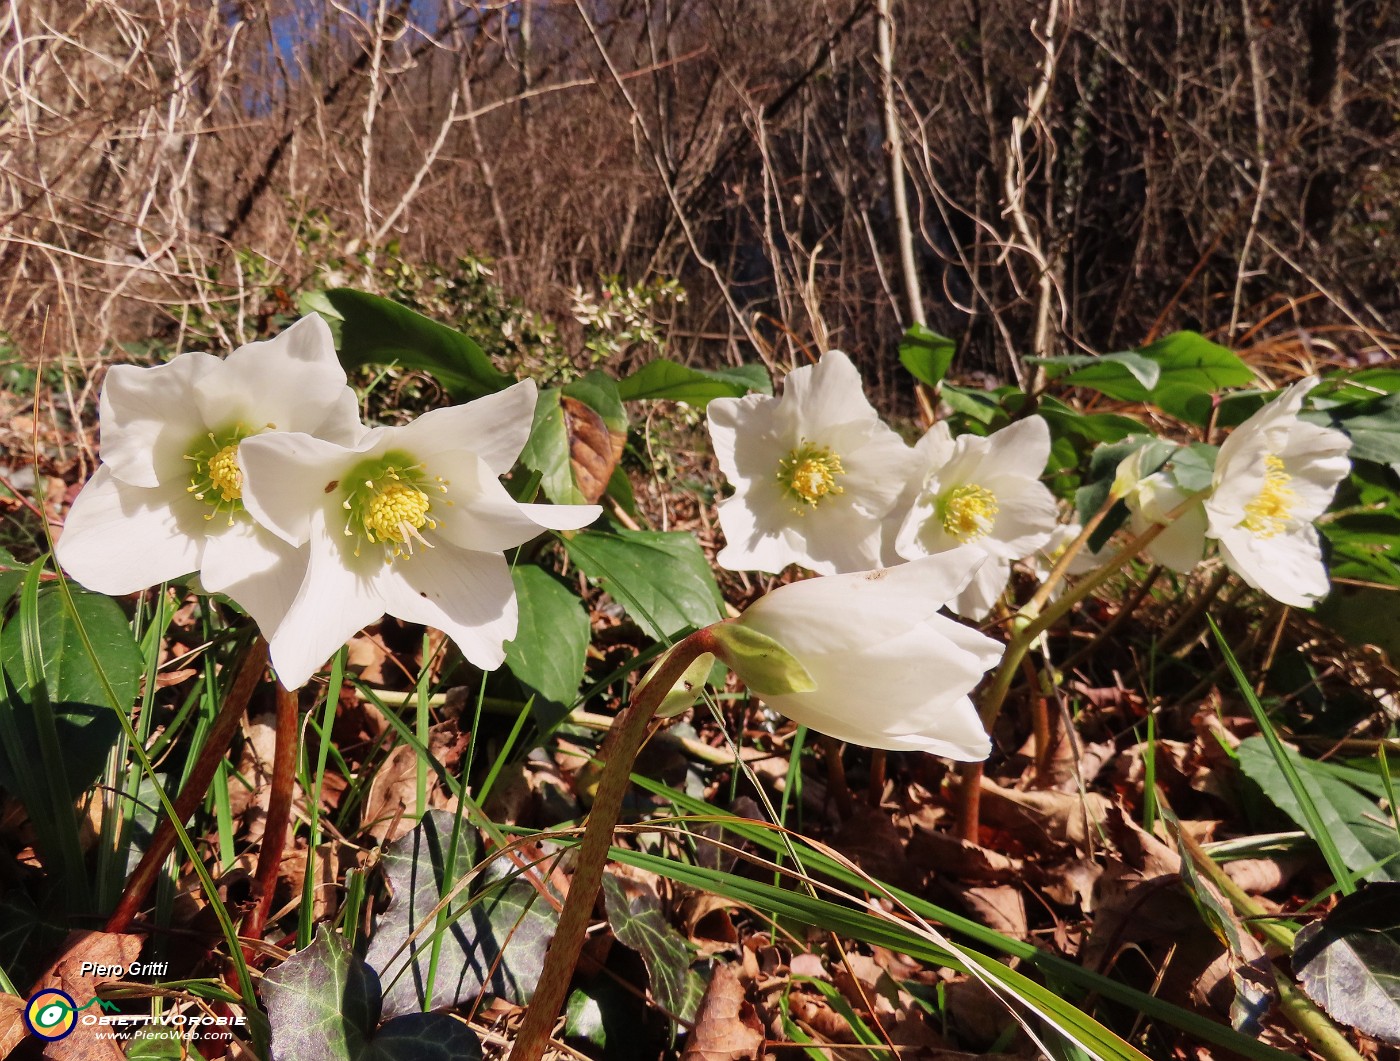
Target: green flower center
(1267, 515)
(216, 477)
(968, 512)
(808, 474)
(390, 502)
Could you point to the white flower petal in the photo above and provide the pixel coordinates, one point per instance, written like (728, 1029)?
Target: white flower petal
(120, 538)
(752, 543)
(469, 596)
(980, 595)
(1288, 567)
(149, 419)
(829, 392)
(334, 602)
(255, 568)
(485, 518)
(494, 427)
(292, 382)
(287, 476)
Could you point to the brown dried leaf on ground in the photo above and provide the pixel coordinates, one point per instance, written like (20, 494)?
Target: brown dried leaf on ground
(946, 855)
(1001, 907)
(110, 950)
(870, 840)
(1258, 876)
(12, 1027)
(391, 805)
(1034, 817)
(727, 1027)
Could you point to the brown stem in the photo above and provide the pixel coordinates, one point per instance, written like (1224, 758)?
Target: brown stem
(1041, 723)
(876, 791)
(836, 777)
(216, 745)
(279, 813)
(969, 801)
(618, 753)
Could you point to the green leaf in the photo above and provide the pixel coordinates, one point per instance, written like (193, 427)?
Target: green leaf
(492, 937)
(926, 354)
(1349, 962)
(1129, 376)
(979, 407)
(71, 693)
(661, 579)
(165, 1044)
(377, 331)
(551, 642)
(323, 1004)
(694, 386)
(1348, 821)
(1177, 373)
(1192, 368)
(637, 920)
(1372, 425)
(1090, 427)
(1193, 466)
(547, 450)
(600, 392)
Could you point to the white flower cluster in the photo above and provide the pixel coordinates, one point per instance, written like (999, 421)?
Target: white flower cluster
(256, 472)
(820, 481)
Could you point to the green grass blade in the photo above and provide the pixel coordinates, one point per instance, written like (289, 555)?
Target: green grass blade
(1312, 820)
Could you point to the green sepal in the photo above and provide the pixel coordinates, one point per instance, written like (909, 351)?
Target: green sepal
(764, 665)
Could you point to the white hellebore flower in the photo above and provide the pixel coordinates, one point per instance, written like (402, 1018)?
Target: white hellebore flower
(887, 671)
(411, 521)
(814, 472)
(1274, 476)
(1044, 559)
(985, 493)
(1151, 499)
(168, 497)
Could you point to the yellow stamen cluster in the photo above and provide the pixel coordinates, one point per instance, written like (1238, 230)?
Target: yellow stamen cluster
(808, 475)
(968, 512)
(1268, 514)
(217, 478)
(389, 504)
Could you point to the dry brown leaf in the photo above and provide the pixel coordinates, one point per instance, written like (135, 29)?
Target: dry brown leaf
(945, 854)
(12, 1026)
(727, 1027)
(1260, 875)
(1033, 817)
(593, 449)
(1001, 907)
(391, 805)
(1072, 883)
(105, 949)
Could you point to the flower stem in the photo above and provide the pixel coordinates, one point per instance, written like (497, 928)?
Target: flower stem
(618, 753)
(245, 680)
(279, 814)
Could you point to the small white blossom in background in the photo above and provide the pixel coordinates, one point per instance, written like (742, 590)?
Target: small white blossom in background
(1043, 560)
(410, 521)
(168, 497)
(1274, 476)
(814, 473)
(886, 670)
(984, 493)
(1151, 499)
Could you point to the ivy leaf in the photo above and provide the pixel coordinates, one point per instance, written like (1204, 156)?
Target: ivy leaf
(323, 1004)
(661, 578)
(1349, 962)
(495, 935)
(637, 920)
(379, 331)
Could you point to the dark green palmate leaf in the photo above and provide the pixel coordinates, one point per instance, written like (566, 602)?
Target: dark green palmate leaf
(551, 643)
(323, 1004)
(636, 917)
(1349, 962)
(661, 579)
(1178, 374)
(926, 354)
(492, 938)
(67, 694)
(1363, 839)
(694, 386)
(1372, 425)
(378, 331)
